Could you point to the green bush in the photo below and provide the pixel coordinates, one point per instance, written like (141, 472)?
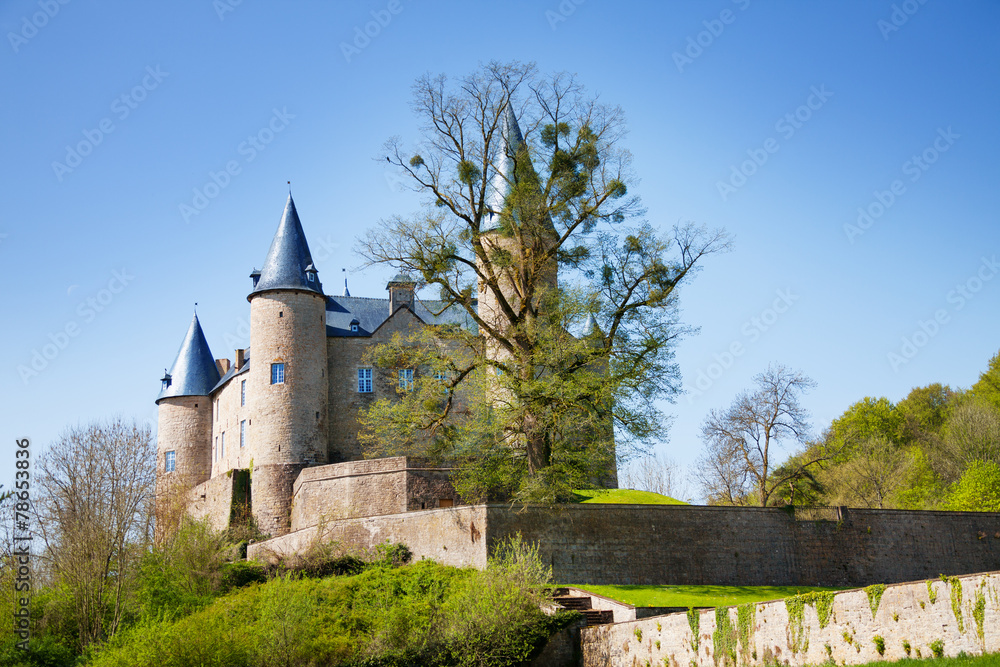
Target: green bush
(419, 614)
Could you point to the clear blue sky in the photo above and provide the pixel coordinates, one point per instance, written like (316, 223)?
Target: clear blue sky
(884, 86)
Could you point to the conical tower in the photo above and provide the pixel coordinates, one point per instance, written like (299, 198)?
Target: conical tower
(184, 423)
(287, 377)
(513, 191)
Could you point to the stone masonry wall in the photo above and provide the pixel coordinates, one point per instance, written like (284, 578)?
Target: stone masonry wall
(366, 488)
(289, 430)
(664, 544)
(917, 619)
(345, 357)
(228, 415)
(452, 536)
(213, 499)
(184, 426)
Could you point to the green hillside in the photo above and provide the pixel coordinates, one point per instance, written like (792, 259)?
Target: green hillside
(624, 497)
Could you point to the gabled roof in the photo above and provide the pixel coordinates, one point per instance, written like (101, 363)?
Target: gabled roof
(194, 372)
(288, 258)
(370, 314)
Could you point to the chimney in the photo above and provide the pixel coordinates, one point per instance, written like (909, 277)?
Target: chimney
(223, 365)
(240, 357)
(401, 289)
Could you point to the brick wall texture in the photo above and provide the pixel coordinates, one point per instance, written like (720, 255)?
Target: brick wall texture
(910, 620)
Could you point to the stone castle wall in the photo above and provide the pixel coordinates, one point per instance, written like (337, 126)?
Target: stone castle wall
(214, 499)
(657, 544)
(229, 414)
(345, 358)
(453, 536)
(913, 620)
(743, 546)
(184, 426)
(366, 488)
(289, 418)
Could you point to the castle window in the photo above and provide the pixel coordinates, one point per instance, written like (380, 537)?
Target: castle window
(169, 461)
(215, 450)
(222, 447)
(277, 373)
(312, 276)
(243, 433)
(406, 379)
(354, 327)
(364, 380)
(243, 392)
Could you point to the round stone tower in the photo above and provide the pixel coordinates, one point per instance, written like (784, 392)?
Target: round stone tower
(512, 168)
(287, 380)
(184, 425)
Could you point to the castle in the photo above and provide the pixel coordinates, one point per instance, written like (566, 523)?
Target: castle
(291, 401)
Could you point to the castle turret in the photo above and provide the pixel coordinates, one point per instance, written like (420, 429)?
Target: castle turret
(184, 428)
(516, 221)
(287, 377)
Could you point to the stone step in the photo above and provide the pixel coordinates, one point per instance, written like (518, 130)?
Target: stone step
(599, 616)
(573, 602)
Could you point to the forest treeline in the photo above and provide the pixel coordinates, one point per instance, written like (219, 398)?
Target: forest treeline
(936, 449)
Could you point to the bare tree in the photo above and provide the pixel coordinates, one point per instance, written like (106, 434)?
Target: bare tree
(656, 474)
(972, 434)
(740, 441)
(94, 507)
(874, 474)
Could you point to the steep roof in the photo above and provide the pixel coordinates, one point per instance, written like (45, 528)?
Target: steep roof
(512, 150)
(511, 141)
(370, 314)
(194, 372)
(288, 264)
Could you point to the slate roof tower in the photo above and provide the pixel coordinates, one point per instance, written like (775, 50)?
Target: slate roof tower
(184, 422)
(288, 373)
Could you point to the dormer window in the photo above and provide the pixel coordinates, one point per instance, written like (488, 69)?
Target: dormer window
(354, 325)
(166, 380)
(312, 277)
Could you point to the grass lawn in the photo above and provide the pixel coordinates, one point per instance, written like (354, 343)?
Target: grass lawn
(624, 497)
(697, 596)
(988, 660)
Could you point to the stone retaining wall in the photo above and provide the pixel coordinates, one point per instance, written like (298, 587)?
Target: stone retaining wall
(918, 619)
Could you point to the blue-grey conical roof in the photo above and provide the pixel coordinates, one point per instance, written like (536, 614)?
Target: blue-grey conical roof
(511, 141)
(194, 372)
(288, 258)
(591, 327)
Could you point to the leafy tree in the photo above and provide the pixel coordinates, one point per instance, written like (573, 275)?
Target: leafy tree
(988, 386)
(529, 235)
(868, 418)
(924, 412)
(978, 490)
(740, 441)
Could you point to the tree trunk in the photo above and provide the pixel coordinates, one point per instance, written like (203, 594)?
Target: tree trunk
(539, 450)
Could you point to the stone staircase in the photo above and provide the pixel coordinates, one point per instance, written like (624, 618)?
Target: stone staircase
(582, 604)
